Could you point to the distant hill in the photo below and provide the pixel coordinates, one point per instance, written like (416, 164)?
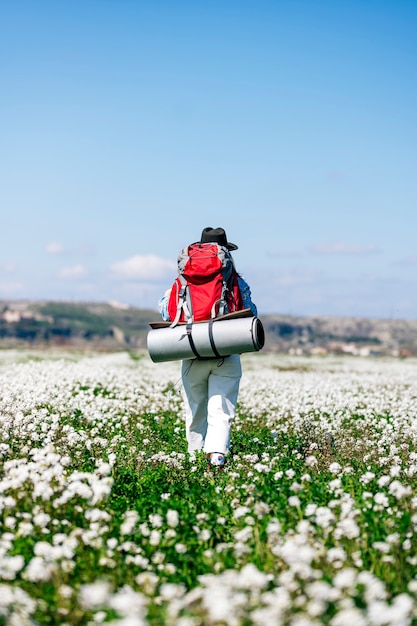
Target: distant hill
(105, 326)
(111, 326)
(359, 336)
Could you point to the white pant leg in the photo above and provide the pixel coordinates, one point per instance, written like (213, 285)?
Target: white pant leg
(223, 391)
(195, 382)
(211, 389)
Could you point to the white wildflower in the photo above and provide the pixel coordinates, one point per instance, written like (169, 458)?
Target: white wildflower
(155, 538)
(240, 512)
(129, 522)
(294, 501)
(335, 468)
(398, 490)
(156, 520)
(349, 617)
(172, 518)
(38, 570)
(180, 548)
(94, 595)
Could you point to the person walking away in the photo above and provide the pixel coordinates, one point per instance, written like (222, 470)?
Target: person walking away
(211, 385)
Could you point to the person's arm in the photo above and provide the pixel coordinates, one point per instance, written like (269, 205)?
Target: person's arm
(163, 306)
(246, 295)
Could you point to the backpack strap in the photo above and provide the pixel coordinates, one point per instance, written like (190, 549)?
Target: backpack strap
(213, 345)
(192, 344)
(182, 303)
(189, 328)
(222, 302)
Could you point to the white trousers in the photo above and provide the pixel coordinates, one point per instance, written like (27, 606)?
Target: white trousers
(211, 389)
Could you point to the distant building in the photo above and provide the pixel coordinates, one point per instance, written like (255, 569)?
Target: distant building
(11, 317)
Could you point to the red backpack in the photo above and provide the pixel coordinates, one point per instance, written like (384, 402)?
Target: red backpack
(207, 284)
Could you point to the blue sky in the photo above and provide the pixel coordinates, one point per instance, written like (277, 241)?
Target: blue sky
(127, 126)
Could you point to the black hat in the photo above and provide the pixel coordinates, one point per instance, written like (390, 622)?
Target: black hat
(216, 235)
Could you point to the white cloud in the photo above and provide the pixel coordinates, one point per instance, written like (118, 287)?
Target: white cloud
(296, 277)
(284, 254)
(409, 260)
(55, 247)
(10, 288)
(75, 271)
(146, 267)
(340, 247)
(118, 305)
(7, 268)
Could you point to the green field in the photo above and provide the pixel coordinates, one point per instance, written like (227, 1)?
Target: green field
(106, 519)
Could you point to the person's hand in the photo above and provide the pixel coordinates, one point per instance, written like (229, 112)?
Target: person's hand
(167, 293)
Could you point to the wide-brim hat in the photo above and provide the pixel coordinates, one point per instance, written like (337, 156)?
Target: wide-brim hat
(216, 235)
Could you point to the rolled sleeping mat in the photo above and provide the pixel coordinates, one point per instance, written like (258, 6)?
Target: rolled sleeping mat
(206, 340)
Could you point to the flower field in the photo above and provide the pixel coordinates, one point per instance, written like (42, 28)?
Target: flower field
(104, 517)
